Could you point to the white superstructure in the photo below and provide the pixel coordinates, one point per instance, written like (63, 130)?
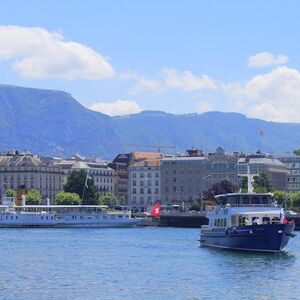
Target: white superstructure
(88, 216)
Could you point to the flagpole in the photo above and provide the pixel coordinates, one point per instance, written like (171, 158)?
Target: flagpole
(85, 186)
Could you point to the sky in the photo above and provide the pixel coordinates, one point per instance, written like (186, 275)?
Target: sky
(122, 57)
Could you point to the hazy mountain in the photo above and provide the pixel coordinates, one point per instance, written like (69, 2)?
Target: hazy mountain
(52, 123)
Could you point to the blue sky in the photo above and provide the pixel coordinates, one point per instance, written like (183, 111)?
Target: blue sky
(120, 57)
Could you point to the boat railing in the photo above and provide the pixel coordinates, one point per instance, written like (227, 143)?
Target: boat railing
(250, 205)
(211, 209)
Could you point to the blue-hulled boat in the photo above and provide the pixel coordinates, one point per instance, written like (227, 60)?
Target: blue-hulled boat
(246, 221)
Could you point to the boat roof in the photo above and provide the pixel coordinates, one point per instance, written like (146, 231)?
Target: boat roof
(251, 211)
(244, 194)
(57, 206)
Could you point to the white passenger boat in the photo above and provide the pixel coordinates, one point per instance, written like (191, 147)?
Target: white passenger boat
(247, 221)
(58, 216)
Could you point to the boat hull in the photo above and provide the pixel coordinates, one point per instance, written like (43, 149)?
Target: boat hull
(262, 238)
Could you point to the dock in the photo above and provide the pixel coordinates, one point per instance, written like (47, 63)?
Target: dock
(196, 220)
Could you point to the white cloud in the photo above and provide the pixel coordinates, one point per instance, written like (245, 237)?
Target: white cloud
(264, 59)
(168, 79)
(38, 53)
(144, 84)
(203, 106)
(186, 81)
(129, 75)
(118, 108)
(273, 96)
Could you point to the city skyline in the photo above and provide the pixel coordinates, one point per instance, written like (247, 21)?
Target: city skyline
(120, 58)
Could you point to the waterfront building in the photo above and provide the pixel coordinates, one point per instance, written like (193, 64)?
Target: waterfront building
(292, 162)
(184, 178)
(23, 169)
(262, 163)
(102, 174)
(120, 166)
(144, 179)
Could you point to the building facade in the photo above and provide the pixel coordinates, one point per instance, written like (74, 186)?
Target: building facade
(185, 178)
(144, 181)
(23, 169)
(260, 163)
(103, 176)
(292, 163)
(120, 165)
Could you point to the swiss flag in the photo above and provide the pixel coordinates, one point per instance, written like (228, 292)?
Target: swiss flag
(156, 210)
(284, 220)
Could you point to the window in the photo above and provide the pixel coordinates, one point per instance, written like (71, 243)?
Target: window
(266, 220)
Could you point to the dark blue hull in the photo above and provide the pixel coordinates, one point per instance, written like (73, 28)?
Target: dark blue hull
(263, 238)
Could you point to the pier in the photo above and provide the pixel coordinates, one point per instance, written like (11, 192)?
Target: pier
(196, 220)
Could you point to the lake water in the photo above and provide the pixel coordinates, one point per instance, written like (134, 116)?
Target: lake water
(138, 263)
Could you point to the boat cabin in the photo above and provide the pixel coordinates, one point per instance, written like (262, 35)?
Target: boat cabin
(242, 209)
(246, 199)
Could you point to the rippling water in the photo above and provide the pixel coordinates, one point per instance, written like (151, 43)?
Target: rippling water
(138, 263)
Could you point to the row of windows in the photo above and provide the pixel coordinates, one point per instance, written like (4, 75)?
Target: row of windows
(143, 191)
(104, 180)
(30, 169)
(144, 175)
(220, 222)
(142, 200)
(148, 182)
(102, 173)
(73, 217)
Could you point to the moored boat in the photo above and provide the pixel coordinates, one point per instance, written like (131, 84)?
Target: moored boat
(246, 221)
(61, 216)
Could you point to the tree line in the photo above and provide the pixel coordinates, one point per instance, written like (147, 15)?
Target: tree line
(79, 189)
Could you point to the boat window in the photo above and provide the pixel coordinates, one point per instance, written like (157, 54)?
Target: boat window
(215, 222)
(243, 221)
(120, 216)
(232, 220)
(42, 217)
(275, 220)
(16, 217)
(11, 217)
(255, 200)
(246, 200)
(224, 222)
(266, 220)
(256, 220)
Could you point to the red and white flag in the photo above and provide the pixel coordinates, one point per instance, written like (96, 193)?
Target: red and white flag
(156, 210)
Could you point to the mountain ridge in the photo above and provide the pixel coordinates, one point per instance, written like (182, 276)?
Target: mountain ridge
(50, 122)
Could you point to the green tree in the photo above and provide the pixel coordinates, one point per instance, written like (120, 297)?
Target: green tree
(244, 185)
(221, 187)
(262, 183)
(297, 152)
(33, 197)
(122, 200)
(195, 206)
(80, 183)
(109, 199)
(295, 200)
(281, 197)
(10, 193)
(64, 198)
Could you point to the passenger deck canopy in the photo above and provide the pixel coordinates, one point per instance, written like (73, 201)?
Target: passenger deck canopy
(244, 199)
